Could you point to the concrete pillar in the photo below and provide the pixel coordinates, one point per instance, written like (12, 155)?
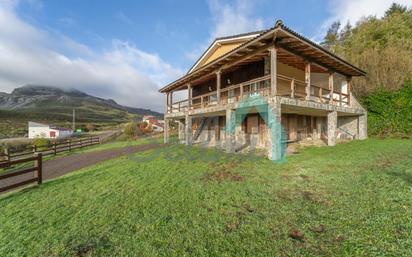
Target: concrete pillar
(188, 130)
(307, 80)
(274, 135)
(318, 127)
(230, 130)
(363, 126)
(181, 130)
(273, 71)
(332, 123)
(166, 132)
(293, 126)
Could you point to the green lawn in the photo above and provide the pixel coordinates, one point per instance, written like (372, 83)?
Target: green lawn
(354, 199)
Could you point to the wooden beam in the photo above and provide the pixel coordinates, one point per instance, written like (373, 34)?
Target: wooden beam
(273, 70)
(307, 80)
(331, 87)
(218, 83)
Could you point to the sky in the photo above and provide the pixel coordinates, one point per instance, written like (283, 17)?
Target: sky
(127, 50)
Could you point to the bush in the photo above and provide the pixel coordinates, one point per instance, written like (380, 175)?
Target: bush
(390, 112)
(131, 130)
(41, 143)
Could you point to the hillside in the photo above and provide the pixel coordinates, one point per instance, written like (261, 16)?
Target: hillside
(55, 105)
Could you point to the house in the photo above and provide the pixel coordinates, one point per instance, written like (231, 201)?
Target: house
(40, 130)
(149, 119)
(157, 127)
(265, 89)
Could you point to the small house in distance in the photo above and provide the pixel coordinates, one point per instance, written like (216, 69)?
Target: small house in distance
(40, 130)
(157, 125)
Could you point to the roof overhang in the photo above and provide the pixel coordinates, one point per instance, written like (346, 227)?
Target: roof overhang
(295, 50)
(221, 41)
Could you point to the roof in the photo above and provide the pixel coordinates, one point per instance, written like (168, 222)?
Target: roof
(33, 123)
(289, 42)
(222, 40)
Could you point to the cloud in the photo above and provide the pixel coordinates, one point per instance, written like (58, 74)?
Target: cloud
(30, 55)
(352, 11)
(228, 19)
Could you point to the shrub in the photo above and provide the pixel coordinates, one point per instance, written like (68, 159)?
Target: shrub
(41, 143)
(390, 112)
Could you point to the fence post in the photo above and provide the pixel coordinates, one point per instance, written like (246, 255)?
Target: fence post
(7, 153)
(90, 141)
(54, 148)
(34, 147)
(81, 143)
(70, 144)
(39, 166)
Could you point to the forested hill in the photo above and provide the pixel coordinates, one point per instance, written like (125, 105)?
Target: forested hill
(55, 105)
(382, 47)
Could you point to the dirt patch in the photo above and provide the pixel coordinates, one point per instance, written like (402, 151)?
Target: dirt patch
(232, 226)
(297, 235)
(221, 176)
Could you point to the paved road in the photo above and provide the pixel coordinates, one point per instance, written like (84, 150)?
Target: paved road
(59, 166)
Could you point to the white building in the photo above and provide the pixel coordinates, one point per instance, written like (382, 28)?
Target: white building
(40, 130)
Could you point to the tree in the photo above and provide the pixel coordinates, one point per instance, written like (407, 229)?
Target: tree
(396, 8)
(332, 37)
(130, 129)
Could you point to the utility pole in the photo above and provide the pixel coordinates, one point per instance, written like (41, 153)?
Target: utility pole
(74, 122)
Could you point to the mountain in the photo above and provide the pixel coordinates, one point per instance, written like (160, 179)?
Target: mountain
(55, 105)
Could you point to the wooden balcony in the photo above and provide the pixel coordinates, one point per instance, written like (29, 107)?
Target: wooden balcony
(262, 86)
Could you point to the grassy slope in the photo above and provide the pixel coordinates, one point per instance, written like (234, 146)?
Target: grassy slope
(359, 192)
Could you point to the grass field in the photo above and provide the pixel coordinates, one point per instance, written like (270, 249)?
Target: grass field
(350, 200)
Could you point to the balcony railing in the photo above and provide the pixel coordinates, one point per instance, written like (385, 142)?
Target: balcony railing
(260, 86)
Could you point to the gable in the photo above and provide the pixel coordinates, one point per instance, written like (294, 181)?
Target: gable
(219, 51)
(222, 46)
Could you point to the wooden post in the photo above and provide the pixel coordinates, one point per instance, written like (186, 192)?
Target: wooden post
(218, 84)
(167, 102)
(292, 88)
(307, 80)
(54, 148)
(321, 95)
(349, 86)
(189, 96)
(171, 102)
(340, 98)
(241, 92)
(7, 153)
(81, 143)
(38, 164)
(179, 106)
(331, 87)
(273, 70)
(34, 147)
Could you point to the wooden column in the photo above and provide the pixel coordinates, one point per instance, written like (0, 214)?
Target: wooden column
(349, 87)
(218, 83)
(166, 132)
(307, 80)
(167, 102)
(273, 70)
(331, 87)
(189, 95)
(171, 101)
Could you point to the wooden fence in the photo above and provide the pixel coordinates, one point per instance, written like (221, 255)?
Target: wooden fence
(52, 149)
(37, 169)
